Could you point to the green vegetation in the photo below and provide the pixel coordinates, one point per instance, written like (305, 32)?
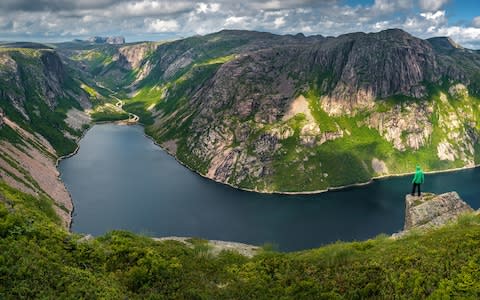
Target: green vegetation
(90, 91)
(8, 134)
(42, 118)
(39, 259)
(108, 115)
(348, 159)
(97, 59)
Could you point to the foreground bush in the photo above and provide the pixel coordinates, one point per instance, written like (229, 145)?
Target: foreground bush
(39, 259)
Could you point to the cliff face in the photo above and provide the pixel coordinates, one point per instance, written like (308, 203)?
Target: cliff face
(31, 73)
(299, 113)
(295, 113)
(40, 120)
(376, 66)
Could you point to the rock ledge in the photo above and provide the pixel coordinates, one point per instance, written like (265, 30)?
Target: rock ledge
(430, 210)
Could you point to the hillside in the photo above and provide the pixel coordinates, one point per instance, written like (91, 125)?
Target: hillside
(294, 113)
(41, 119)
(40, 259)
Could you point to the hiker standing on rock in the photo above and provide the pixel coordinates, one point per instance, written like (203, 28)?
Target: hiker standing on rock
(418, 179)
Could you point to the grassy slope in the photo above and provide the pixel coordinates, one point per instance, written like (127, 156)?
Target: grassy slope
(38, 259)
(348, 159)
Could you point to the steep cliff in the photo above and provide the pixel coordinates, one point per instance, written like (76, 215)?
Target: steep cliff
(294, 113)
(307, 113)
(36, 92)
(41, 119)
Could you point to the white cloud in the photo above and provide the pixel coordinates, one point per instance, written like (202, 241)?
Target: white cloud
(432, 5)
(390, 6)
(279, 22)
(207, 7)
(235, 21)
(162, 26)
(437, 16)
(382, 25)
(148, 8)
(461, 34)
(476, 22)
(166, 19)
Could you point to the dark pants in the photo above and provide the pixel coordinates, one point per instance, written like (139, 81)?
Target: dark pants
(413, 189)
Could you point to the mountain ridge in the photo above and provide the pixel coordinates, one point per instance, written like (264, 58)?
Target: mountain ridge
(291, 113)
(339, 90)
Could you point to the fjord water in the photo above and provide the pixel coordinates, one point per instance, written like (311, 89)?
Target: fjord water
(120, 180)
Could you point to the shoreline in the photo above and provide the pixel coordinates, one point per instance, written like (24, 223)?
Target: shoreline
(231, 245)
(329, 189)
(57, 162)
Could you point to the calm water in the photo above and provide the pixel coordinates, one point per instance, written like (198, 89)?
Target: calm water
(120, 180)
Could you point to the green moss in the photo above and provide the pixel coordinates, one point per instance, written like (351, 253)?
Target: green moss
(324, 121)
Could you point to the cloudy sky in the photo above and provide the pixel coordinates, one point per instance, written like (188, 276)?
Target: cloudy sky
(57, 20)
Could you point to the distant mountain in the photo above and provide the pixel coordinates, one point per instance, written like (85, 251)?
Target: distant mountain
(113, 40)
(28, 45)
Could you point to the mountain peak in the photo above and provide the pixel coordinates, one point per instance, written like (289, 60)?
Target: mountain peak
(444, 42)
(113, 40)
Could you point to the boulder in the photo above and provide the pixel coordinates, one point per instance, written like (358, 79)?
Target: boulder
(431, 210)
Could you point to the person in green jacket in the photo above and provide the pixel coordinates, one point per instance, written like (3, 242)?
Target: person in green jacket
(418, 179)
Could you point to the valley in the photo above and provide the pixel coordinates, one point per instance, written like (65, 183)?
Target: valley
(274, 113)
(256, 111)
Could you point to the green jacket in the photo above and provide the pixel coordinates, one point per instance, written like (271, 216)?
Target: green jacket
(418, 177)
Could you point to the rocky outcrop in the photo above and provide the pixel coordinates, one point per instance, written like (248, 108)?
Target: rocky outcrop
(215, 247)
(77, 119)
(365, 67)
(444, 43)
(405, 126)
(431, 210)
(134, 55)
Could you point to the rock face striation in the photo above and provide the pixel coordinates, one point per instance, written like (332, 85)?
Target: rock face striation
(271, 112)
(431, 210)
